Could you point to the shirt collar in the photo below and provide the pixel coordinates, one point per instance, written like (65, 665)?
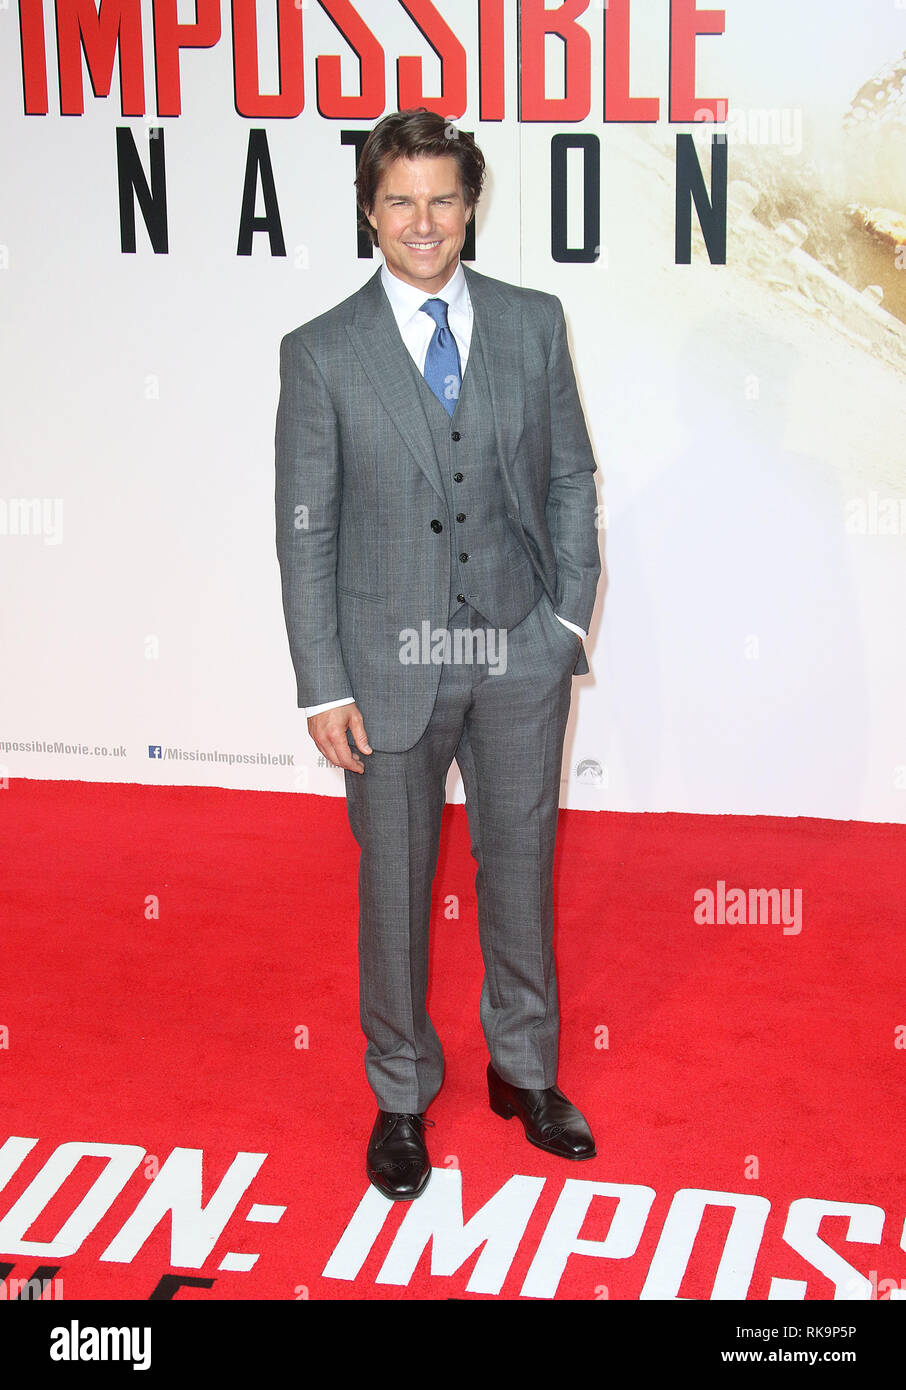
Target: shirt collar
(406, 300)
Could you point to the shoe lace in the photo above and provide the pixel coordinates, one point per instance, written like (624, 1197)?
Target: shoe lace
(414, 1119)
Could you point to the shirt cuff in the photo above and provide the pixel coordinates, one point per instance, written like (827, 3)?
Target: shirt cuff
(580, 632)
(331, 704)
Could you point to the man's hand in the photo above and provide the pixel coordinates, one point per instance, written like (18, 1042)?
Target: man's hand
(329, 733)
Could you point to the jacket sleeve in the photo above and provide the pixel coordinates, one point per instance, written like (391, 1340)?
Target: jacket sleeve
(308, 487)
(571, 510)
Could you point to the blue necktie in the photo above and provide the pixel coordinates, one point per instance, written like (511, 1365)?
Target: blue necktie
(442, 371)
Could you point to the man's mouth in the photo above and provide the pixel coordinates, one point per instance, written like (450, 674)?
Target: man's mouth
(421, 245)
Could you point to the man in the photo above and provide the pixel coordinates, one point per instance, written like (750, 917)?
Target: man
(434, 478)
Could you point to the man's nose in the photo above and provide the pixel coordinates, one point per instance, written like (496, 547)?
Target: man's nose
(423, 218)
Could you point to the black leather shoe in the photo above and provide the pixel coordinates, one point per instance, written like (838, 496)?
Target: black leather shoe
(550, 1121)
(397, 1162)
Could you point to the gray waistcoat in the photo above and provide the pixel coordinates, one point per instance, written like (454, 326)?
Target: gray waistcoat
(497, 578)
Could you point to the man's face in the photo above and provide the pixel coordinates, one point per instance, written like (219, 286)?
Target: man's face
(420, 217)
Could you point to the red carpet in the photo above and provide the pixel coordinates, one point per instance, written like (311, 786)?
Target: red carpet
(203, 1061)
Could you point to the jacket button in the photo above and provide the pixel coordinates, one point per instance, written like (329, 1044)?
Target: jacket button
(456, 435)
(464, 556)
(436, 526)
(460, 598)
(457, 477)
(460, 516)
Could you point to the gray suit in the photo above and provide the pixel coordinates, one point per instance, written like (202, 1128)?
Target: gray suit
(393, 517)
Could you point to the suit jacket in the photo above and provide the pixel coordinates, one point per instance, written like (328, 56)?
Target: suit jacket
(358, 481)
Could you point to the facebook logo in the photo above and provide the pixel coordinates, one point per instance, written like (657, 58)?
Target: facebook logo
(154, 750)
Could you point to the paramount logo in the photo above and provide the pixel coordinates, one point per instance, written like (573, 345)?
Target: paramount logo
(459, 646)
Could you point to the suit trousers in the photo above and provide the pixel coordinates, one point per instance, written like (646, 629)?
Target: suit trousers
(504, 722)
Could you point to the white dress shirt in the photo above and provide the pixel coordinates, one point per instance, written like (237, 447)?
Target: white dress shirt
(417, 330)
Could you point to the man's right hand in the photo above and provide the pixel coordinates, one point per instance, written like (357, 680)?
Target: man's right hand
(328, 730)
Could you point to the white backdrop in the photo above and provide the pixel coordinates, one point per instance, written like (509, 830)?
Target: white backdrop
(747, 654)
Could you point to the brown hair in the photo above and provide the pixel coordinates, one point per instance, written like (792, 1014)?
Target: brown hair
(410, 135)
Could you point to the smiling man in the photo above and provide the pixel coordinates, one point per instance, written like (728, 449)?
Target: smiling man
(430, 432)
(420, 216)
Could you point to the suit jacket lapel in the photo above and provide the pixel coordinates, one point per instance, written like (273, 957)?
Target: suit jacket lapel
(383, 355)
(497, 328)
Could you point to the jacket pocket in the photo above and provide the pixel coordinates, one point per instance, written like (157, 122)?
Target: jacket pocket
(360, 593)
